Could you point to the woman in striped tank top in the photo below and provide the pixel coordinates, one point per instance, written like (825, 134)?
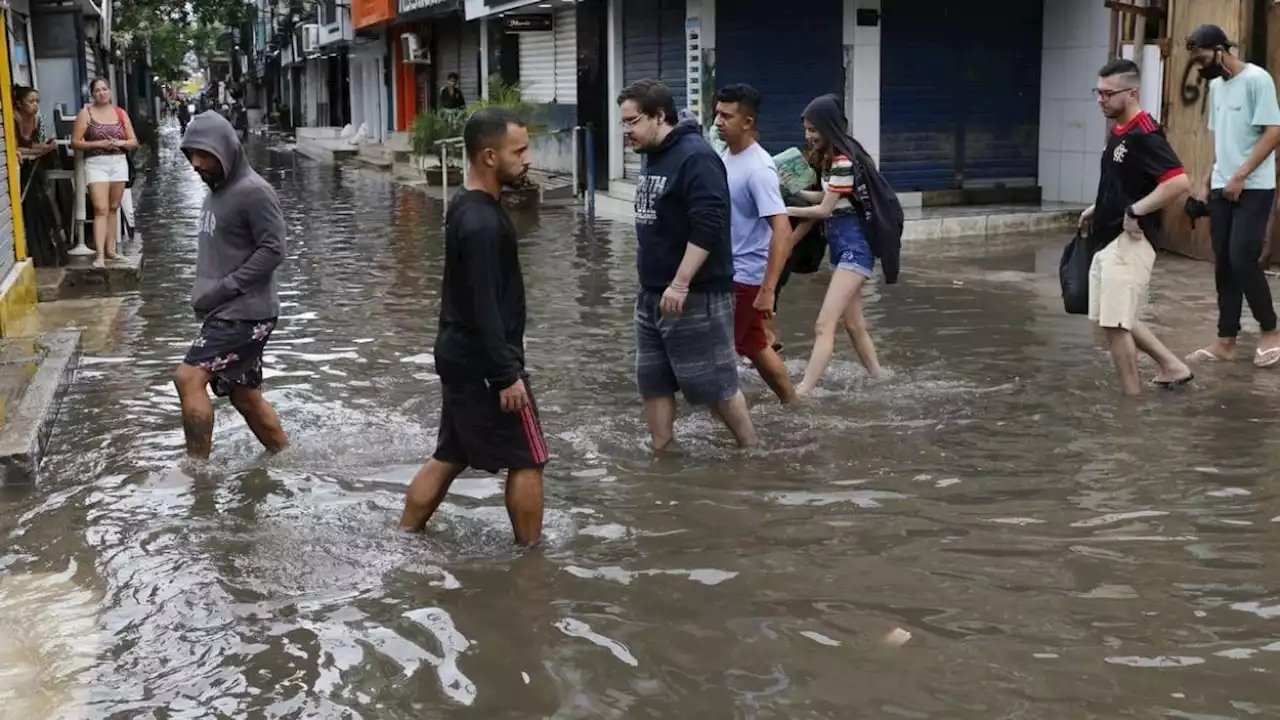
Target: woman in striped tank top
(104, 133)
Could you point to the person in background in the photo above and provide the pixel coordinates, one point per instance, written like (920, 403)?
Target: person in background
(45, 240)
(488, 418)
(451, 95)
(241, 244)
(184, 115)
(1140, 177)
(1244, 118)
(760, 231)
(105, 134)
(684, 257)
(852, 260)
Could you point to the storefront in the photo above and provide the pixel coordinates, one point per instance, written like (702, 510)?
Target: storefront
(791, 59)
(17, 281)
(370, 106)
(416, 56)
(960, 93)
(21, 63)
(547, 43)
(332, 71)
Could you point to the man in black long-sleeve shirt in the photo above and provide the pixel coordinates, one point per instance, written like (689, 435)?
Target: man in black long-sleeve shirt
(488, 419)
(684, 256)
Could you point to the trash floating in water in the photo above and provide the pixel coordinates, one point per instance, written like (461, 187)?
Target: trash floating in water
(897, 637)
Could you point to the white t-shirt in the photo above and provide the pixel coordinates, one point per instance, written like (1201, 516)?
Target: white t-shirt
(754, 197)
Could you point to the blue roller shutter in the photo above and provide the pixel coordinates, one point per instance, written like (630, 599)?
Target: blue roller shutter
(960, 93)
(918, 116)
(1001, 129)
(653, 47)
(791, 59)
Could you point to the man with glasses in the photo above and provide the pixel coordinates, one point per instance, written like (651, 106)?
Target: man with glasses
(684, 256)
(1141, 176)
(1244, 118)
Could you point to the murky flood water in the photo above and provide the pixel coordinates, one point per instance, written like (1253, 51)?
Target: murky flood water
(1055, 553)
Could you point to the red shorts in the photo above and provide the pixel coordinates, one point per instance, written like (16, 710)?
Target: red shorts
(749, 336)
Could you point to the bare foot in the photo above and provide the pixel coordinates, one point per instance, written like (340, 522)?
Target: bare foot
(802, 391)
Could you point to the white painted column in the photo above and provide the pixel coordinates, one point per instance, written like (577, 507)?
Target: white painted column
(484, 57)
(613, 63)
(1072, 129)
(862, 76)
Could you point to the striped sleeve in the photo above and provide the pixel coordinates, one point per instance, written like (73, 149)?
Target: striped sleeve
(839, 178)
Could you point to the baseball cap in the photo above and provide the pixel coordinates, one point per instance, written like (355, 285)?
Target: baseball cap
(1208, 36)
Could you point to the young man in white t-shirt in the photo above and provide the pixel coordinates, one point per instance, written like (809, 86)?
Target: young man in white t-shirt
(1244, 118)
(760, 229)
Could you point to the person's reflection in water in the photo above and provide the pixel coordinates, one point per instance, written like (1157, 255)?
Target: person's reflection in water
(46, 242)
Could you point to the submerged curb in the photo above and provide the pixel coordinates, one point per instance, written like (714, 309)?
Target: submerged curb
(25, 436)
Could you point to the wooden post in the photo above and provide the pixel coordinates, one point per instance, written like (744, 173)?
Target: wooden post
(1187, 117)
(1139, 34)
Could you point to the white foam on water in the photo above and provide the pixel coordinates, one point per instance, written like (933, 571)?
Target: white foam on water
(1118, 517)
(1160, 661)
(610, 531)
(866, 499)
(579, 629)
(1229, 492)
(705, 576)
(1237, 653)
(422, 359)
(1015, 521)
(453, 643)
(1266, 613)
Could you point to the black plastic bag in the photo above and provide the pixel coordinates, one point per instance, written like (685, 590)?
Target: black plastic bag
(807, 253)
(1073, 273)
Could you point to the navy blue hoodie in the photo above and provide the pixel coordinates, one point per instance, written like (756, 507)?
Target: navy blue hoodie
(682, 197)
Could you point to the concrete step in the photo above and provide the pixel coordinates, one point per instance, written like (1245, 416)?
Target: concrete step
(555, 186)
(46, 366)
(80, 279)
(376, 155)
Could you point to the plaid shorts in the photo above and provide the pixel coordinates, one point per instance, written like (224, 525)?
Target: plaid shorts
(691, 353)
(232, 351)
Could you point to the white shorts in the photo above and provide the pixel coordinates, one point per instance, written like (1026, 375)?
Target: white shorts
(106, 168)
(1118, 281)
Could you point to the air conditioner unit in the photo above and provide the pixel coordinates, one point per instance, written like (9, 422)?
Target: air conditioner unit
(411, 50)
(310, 39)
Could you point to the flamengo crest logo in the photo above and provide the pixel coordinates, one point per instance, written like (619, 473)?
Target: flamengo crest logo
(1119, 153)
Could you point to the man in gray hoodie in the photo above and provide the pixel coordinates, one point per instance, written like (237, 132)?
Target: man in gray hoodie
(241, 243)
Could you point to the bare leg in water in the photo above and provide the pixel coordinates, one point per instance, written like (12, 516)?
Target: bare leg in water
(197, 413)
(842, 302)
(431, 485)
(261, 418)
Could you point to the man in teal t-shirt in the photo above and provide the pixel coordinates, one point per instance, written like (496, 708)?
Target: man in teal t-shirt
(1244, 118)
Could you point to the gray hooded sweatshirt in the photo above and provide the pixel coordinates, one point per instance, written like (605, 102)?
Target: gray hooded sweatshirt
(242, 231)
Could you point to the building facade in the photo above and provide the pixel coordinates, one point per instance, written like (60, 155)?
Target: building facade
(370, 79)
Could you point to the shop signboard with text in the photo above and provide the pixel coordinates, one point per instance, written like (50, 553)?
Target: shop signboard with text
(366, 13)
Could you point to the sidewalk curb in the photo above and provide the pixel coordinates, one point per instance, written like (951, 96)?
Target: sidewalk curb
(25, 437)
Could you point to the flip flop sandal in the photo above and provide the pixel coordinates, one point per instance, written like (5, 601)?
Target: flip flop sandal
(1171, 384)
(1203, 355)
(1267, 358)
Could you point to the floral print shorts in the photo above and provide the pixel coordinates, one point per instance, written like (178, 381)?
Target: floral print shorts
(232, 351)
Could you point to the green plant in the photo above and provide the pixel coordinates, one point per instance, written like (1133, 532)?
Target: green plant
(430, 128)
(512, 98)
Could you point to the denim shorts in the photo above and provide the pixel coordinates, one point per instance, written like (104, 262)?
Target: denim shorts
(848, 246)
(691, 352)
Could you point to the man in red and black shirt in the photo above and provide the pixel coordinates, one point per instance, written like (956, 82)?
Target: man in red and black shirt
(1141, 176)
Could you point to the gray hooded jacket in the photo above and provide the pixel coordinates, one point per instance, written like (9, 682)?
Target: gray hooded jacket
(242, 231)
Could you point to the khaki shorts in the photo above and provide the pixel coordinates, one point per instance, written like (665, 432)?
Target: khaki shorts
(1118, 281)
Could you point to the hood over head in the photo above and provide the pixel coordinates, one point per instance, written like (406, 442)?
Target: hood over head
(212, 133)
(826, 114)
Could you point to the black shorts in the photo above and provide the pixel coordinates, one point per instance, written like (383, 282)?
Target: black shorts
(474, 431)
(232, 351)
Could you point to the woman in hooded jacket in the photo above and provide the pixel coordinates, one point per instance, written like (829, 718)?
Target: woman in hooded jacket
(838, 160)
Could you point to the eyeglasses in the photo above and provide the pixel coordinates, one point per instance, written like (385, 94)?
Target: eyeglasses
(1108, 94)
(631, 122)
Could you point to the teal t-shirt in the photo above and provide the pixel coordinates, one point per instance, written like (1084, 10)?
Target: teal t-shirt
(1240, 110)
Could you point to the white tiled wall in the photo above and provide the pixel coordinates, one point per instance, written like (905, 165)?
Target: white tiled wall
(862, 58)
(1072, 130)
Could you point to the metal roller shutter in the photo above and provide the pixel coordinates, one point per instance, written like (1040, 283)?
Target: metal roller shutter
(7, 258)
(566, 34)
(469, 61)
(549, 61)
(941, 65)
(538, 66)
(448, 40)
(653, 45)
(791, 59)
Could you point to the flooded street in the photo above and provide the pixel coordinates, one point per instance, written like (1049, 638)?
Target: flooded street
(1055, 552)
